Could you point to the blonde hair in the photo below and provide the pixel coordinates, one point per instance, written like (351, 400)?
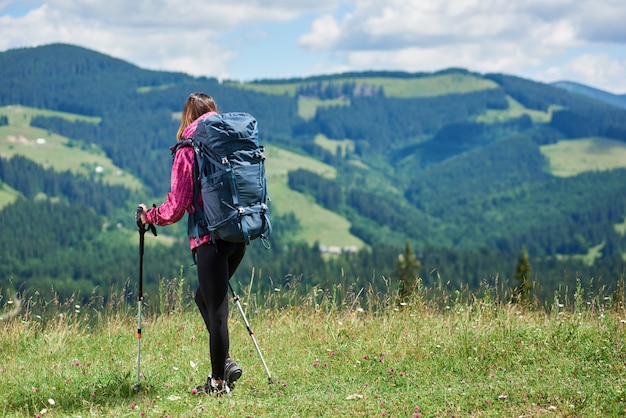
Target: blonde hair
(197, 104)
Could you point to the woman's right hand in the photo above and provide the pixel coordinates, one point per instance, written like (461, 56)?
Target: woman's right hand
(142, 215)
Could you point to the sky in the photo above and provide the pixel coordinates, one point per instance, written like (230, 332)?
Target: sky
(543, 40)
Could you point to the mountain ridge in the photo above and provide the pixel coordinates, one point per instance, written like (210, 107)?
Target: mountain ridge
(449, 160)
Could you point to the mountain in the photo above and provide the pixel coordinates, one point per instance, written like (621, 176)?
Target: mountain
(470, 168)
(603, 96)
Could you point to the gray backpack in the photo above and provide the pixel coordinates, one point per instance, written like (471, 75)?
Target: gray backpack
(230, 165)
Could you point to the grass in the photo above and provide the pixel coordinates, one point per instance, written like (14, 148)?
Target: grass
(594, 253)
(337, 353)
(7, 195)
(515, 110)
(428, 86)
(308, 106)
(318, 224)
(52, 150)
(331, 145)
(571, 157)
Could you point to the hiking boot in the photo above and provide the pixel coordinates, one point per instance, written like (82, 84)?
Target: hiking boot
(214, 387)
(232, 372)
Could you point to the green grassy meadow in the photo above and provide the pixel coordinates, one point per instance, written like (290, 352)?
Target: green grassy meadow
(427, 86)
(572, 157)
(7, 195)
(336, 354)
(308, 106)
(318, 224)
(56, 151)
(515, 110)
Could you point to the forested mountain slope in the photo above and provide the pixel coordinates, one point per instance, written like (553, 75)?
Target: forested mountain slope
(452, 161)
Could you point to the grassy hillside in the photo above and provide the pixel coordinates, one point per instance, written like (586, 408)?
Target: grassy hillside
(7, 195)
(318, 224)
(572, 157)
(514, 111)
(51, 150)
(424, 86)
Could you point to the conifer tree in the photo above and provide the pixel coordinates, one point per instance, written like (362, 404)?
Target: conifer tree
(523, 287)
(406, 271)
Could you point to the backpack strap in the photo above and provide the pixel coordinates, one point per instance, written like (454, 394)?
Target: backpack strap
(196, 225)
(180, 144)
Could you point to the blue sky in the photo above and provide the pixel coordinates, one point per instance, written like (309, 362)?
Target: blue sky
(544, 40)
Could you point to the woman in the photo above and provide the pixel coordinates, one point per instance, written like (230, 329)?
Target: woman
(216, 259)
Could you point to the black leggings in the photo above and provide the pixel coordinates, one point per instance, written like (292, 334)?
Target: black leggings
(216, 265)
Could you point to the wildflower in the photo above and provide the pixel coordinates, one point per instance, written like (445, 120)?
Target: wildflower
(194, 391)
(51, 401)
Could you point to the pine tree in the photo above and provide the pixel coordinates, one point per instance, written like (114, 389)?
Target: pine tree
(406, 271)
(521, 292)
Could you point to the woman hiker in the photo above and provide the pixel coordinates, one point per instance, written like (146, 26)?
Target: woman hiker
(216, 259)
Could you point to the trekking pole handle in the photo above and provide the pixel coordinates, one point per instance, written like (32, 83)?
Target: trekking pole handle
(140, 225)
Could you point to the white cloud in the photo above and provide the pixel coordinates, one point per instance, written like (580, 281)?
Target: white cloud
(518, 37)
(325, 32)
(163, 35)
(599, 70)
(530, 38)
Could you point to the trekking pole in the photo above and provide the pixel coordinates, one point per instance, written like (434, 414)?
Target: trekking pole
(142, 231)
(236, 298)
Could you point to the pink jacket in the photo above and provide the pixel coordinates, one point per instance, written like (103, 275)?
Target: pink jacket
(180, 199)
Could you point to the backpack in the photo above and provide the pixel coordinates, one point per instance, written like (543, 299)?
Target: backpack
(230, 166)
